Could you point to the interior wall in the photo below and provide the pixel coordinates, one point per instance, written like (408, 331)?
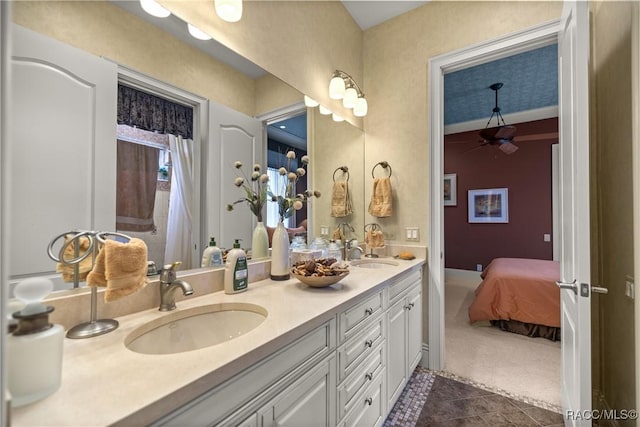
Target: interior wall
(527, 175)
(300, 42)
(612, 87)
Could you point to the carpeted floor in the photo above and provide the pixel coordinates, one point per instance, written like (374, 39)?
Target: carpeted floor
(434, 400)
(523, 368)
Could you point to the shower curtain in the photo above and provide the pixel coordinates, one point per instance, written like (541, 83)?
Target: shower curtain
(179, 226)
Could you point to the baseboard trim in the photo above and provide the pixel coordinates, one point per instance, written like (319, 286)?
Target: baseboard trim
(603, 405)
(452, 273)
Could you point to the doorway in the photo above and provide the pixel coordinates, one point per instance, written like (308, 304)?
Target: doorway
(489, 51)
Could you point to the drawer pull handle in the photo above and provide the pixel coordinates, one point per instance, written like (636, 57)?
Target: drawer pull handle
(368, 343)
(368, 401)
(369, 376)
(410, 306)
(368, 311)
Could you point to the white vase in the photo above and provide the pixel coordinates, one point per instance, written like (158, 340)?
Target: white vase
(260, 242)
(280, 253)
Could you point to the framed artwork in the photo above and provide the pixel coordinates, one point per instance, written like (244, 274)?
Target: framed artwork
(489, 205)
(450, 190)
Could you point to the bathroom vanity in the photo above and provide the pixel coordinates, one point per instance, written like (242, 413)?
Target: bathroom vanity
(339, 356)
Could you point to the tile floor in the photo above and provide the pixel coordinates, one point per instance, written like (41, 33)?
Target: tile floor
(434, 400)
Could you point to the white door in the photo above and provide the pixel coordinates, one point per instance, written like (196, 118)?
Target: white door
(233, 137)
(61, 151)
(573, 50)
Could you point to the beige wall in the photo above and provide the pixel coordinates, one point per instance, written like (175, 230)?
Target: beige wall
(300, 42)
(612, 159)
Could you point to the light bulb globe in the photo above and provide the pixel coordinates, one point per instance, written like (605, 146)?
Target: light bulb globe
(309, 102)
(154, 9)
(198, 33)
(361, 108)
(350, 98)
(336, 88)
(324, 110)
(229, 10)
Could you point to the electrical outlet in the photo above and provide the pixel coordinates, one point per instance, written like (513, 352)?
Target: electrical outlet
(547, 237)
(412, 234)
(478, 267)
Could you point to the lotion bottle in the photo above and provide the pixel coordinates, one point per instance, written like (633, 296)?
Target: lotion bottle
(236, 273)
(34, 349)
(212, 255)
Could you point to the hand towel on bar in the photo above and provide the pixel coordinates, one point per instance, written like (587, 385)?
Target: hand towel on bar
(341, 200)
(380, 205)
(69, 254)
(374, 239)
(121, 267)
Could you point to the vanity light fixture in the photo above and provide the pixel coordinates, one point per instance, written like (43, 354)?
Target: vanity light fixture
(198, 33)
(342, 86)
(229, 10)
(154, 9)
(337, 118)
(324, 110)
(308, 102)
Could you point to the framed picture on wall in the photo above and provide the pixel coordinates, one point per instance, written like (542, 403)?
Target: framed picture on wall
(489, 205)
(450, 190)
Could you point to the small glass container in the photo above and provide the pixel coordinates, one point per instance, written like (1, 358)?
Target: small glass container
(334, 251)
(320, 243)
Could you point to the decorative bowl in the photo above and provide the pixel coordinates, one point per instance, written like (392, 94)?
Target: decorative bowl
(320, 281)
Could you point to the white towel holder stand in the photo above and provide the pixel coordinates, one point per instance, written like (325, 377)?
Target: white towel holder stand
(94, 326)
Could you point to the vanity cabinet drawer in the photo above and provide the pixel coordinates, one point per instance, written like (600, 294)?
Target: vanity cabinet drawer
(402, 284)
(352, 318)
(358, 348)
(360, 378)
(368, 410)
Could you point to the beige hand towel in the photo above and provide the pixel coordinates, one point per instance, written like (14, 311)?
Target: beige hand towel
(341, 200)
(124, 271)
(374, 239)
(381, 198)
(69, 254)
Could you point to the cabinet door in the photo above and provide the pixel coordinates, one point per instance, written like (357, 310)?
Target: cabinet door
(397, 350)
(310, 401)
(414, 328)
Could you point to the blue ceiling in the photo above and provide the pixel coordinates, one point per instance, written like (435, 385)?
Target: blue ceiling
(530, 82)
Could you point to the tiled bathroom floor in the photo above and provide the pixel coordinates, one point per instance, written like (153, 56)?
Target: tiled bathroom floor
(434, 400)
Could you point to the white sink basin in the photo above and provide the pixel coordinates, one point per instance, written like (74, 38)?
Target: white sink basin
(374, 263)
(195, 328)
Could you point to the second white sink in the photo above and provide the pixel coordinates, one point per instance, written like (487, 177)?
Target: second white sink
(374, 263)
(195, 328)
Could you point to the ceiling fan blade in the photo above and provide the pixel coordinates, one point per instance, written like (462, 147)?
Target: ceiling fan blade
(505, 132)
(508, 147)
(538, 137)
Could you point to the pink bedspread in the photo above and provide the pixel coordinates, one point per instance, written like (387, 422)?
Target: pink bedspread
(518, 289)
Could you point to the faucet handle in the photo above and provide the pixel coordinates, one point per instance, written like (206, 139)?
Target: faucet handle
(171, 267)
(168, 273)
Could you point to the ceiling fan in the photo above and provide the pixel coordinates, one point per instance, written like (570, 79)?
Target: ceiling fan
(501, 135)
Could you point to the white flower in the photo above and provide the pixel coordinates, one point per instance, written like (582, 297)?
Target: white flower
(297, 205)
(256, 167)
(237, 164)
(282, 171)
(305, 159)
(300, 171)
(291, 155)
(255, 176)
(292, 176)
(264, 178)
(239, 181)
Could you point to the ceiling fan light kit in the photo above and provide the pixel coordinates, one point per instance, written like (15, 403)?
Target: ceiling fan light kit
(500, 135)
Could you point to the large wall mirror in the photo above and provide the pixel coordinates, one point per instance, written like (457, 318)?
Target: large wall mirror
(112, 30)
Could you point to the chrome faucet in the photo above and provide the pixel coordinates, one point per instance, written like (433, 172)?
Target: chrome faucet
(348, 248)
(168, 286)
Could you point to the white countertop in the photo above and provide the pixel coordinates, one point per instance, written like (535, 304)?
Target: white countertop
(104, 383)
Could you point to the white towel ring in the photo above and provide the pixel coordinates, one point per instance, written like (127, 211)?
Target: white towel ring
(385, 165)
(102, 236)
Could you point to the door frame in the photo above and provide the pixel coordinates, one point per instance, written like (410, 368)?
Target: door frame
(491, 50)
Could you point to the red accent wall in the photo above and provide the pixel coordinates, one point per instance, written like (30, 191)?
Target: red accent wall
(527, 175)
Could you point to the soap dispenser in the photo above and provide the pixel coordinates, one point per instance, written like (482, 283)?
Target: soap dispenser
(212, 255)
(34, 349)
(236, 272)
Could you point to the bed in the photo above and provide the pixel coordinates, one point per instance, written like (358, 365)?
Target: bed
(519, 295)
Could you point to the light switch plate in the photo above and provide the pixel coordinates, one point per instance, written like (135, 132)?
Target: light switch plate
(547, 237)
(412, 234)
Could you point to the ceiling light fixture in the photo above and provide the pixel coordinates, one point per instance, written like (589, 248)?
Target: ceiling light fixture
(229, 10)
(154, 9)
(342, 86)
(198, 33)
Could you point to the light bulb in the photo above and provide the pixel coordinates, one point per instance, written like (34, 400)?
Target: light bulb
(350, 98)
(153, 8)
(336, 88)
(324, 110)
(337, 118)
(310, 102)
(229, 10)
(361, 108)
(198, 33)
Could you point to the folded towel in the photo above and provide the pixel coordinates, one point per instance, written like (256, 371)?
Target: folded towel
(374, 239)
(84, 267)
(121, 267)
(380, 205)
(341, 200)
